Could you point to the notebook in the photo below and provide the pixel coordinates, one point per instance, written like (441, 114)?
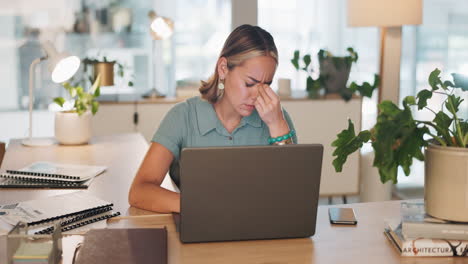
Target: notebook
(55, 172)
(139, 245)
(51, 175)
(74, 210)
(14, 183)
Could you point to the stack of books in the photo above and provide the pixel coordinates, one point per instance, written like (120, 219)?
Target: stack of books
(33, 253)
(418, 234)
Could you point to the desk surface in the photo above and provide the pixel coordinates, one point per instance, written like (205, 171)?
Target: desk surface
(364, 243)
(122, 154)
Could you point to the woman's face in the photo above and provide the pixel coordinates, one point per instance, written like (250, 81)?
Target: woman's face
(241, 83)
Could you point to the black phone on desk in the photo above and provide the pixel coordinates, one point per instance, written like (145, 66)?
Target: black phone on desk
(343, 216)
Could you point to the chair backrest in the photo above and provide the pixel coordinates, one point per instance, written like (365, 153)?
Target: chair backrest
(2, 152)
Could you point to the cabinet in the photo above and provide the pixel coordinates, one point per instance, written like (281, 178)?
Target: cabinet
(316, 121)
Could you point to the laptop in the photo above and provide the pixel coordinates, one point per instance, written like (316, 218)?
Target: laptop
(249, 192)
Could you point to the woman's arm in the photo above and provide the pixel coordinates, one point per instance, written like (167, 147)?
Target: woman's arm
(146, 192)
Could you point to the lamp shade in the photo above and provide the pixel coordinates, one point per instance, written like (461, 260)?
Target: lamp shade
(61, 65)
(384, 13)
(161, 27)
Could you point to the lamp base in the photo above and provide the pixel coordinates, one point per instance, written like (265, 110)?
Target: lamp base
(153, 93)
(38, 142)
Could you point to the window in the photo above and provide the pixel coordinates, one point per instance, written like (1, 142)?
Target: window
(309, 26)
(440, 42)
(202, 27)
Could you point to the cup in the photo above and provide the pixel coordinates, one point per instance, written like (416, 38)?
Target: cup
(284, 87)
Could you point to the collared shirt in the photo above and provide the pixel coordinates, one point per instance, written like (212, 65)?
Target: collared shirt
(194, 123)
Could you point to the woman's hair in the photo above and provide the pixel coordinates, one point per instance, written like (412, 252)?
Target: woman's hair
(243, 43)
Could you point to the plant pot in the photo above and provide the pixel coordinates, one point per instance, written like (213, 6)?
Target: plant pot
(334, 73)
(72, 129)
(106, 70)
(371, 189)
(446, 182)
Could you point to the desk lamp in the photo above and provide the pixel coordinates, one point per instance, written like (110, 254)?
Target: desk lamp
(389, 16)
(160, 28)
(62, 67)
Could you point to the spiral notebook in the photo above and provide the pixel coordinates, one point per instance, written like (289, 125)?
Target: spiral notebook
(51, 175)
(74, 210)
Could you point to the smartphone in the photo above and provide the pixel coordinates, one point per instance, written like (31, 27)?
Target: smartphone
(343, 216)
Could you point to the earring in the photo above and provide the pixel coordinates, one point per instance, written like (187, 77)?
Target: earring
(221, 85)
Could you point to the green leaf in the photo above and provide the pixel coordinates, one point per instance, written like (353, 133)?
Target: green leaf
(295, 59)
(388, 108)
(321, 54)
(96, 85)
(97, 92)
(307, 61)
(59, 100)
(130, 83)
(443, 120)
(366, 89)
(448, 84)
(73, 92)
(347, 143)
(397, 141)
(79, 91)
(353, 55)
(309, 83)
(452, 103)
(464, 126)
(423, 96)
(67, 86)
(434, 79)
(409, 100)
(460, 81)
(94, 107)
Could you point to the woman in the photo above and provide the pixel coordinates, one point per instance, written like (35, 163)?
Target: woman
(237, 107)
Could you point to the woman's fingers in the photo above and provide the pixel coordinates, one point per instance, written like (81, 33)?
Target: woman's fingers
(260, 104)
(263, 94)
(271, 94)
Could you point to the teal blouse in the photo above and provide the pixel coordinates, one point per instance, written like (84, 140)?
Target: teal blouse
(194, 123)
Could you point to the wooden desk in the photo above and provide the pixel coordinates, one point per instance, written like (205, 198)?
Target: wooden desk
(122, 154)
(364, 243)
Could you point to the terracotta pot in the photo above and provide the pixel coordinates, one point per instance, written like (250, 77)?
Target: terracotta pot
(446, 182)
(72, 129)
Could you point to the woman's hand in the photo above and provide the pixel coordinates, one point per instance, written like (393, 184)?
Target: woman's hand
(269, 108)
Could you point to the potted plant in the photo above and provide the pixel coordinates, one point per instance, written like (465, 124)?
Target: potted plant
(104, 68)
(397, 138)
(313, 86)
(73, 126)
(334, 75)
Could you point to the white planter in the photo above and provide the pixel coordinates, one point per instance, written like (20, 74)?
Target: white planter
(371, 188)
(446, 182)
(72, 129)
